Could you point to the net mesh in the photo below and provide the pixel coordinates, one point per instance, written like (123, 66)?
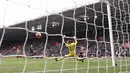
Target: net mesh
(87, 23)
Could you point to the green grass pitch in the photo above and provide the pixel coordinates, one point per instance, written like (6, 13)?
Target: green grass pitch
(16, 65)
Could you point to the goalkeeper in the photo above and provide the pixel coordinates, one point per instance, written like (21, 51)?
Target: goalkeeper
(70, 46)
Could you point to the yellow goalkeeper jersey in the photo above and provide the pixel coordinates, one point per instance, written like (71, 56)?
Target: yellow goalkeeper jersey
(71, 47)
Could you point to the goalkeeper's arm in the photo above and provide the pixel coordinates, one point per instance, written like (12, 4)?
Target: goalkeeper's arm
(75, 40)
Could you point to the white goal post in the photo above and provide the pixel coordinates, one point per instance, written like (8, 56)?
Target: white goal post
(111, 33)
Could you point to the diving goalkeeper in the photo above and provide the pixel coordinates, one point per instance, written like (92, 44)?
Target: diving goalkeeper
(70, 46)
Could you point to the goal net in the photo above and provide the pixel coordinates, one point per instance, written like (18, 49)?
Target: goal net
(100, 27)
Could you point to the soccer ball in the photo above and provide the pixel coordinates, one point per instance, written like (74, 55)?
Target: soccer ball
(38, 35)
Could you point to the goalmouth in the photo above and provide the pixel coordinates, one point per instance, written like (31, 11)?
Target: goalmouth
(100, 27)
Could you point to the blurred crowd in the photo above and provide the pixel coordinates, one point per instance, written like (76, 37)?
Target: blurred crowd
(54, 48)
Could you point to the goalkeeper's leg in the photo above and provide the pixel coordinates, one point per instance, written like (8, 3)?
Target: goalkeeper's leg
(58, 59)
(80, 57)
(68, 55)
(71, 55)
